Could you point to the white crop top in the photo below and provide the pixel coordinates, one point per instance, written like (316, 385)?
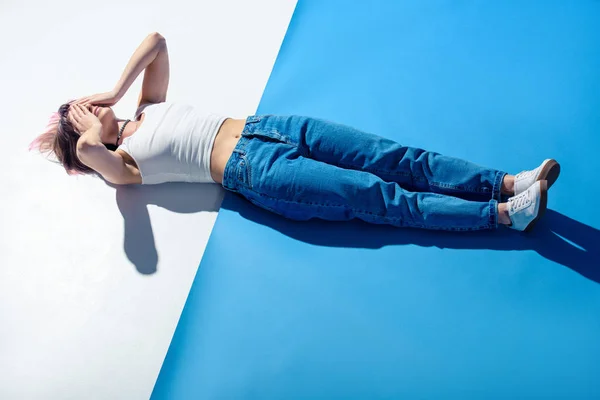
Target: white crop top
(173, 143)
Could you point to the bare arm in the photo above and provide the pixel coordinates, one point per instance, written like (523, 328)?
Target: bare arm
(151, 56)
(92, 152)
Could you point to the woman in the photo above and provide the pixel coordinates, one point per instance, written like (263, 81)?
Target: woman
(295, 166)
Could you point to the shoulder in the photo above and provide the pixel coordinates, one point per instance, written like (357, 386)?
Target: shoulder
(143, 107)
(130, 173)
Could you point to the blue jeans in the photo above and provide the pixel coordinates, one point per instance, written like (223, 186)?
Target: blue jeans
(303, 168)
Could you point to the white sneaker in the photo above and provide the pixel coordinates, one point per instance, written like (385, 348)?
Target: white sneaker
(526, 208)
(549, 171)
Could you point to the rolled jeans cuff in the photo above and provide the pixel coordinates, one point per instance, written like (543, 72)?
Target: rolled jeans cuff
(497, 189)
(493, 214)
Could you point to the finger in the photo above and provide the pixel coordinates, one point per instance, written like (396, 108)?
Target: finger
(83, 111)
(71, 114)
(77, 113)
(74, 110)
(73, 122)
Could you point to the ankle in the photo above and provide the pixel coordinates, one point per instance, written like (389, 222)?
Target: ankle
(508, 185)
(503, 217)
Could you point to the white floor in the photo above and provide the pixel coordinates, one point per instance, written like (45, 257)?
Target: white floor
(93, 278)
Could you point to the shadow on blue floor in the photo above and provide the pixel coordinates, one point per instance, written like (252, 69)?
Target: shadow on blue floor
(295, 310)
(580, 251)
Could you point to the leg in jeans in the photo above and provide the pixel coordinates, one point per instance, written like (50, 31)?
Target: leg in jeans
(412, 168)
(274, 175)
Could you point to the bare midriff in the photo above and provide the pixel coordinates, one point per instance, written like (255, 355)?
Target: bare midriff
(227, 138)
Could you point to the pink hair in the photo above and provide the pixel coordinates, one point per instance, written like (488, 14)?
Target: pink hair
(45, 142)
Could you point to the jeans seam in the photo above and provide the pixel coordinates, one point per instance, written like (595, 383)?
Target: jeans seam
(468, 189)
(359, 211)
(375, 170)
(413, 177)
(240, 150)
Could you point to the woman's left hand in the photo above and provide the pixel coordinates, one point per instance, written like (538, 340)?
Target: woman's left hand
(81, 118)
(106, 99)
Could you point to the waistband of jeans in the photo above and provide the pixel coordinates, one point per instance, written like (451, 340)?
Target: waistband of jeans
(254, 118)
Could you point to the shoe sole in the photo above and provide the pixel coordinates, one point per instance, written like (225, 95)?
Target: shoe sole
(550, 172)
(543, 205)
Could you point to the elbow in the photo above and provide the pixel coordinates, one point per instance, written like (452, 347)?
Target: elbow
(85, 148)
(157, 36)
(115, 180)
(82, 149)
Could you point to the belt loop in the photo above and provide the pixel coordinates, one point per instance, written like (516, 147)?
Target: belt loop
(253, 118)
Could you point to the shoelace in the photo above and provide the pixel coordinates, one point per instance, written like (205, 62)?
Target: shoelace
(520, 201)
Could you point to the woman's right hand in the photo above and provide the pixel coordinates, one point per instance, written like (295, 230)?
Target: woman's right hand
(82, 119)
(106, 99)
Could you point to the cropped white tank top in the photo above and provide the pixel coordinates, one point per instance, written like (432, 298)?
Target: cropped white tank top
(173, 143)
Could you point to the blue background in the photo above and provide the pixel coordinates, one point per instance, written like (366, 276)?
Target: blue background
(283, 309)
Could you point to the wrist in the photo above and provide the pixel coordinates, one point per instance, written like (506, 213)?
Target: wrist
(117, 93)
(94, 131)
